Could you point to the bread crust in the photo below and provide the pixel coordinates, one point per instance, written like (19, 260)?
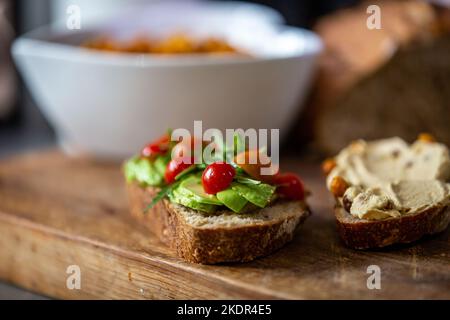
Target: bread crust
(210, 245)
(364, 234)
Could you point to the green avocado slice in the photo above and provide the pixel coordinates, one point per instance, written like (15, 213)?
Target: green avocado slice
(193, 187)
(160, 164)
(232, 200)
(179, 197)
(258, 194)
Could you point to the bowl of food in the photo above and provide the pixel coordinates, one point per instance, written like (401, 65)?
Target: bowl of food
(108, 89)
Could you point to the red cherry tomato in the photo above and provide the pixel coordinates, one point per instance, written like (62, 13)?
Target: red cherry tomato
(187, 146)
(176, 166)
(159, 146)
(217, 177)
(289, 186)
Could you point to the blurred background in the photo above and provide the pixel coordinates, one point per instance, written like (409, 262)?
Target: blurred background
(22, 125)
(370, 83)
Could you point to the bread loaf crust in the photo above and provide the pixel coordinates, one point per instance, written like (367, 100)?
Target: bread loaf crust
(210, 245)
(363, 234)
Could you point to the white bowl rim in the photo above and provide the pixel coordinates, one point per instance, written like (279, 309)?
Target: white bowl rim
(36, 43)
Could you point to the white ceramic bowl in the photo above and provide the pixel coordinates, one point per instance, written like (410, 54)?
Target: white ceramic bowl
(110, 104)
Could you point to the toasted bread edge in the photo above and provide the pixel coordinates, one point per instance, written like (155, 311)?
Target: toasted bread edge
(210, 245)
(364, 234)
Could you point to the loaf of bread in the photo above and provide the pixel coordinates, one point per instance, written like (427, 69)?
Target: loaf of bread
(393, 81)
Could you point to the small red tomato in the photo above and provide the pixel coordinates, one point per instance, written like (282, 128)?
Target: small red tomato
(159, 146)
(217, 177)
(187, 146)
(176, 166)
(289, 186)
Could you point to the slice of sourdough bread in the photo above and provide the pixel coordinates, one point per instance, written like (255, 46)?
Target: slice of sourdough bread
(224, 236)
(363, 234)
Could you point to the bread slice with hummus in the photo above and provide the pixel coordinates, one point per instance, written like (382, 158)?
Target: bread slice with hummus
(390, 192)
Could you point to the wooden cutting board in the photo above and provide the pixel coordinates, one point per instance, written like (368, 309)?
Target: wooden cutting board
(56, 212)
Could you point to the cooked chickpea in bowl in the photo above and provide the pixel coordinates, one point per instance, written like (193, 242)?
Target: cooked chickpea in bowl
(177, 43)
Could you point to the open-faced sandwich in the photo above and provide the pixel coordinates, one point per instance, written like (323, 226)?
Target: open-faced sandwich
(390, 192)
(213, 212)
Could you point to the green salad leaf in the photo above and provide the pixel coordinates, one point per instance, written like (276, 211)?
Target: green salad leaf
(245, 180)
(185, 172)
(165, 191)
(145, 172)
(237, 147)
(160, 164)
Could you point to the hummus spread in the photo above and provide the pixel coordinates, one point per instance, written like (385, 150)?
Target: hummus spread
(389, 178)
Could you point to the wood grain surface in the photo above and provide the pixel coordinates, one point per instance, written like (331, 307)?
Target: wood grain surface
(57, 211)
